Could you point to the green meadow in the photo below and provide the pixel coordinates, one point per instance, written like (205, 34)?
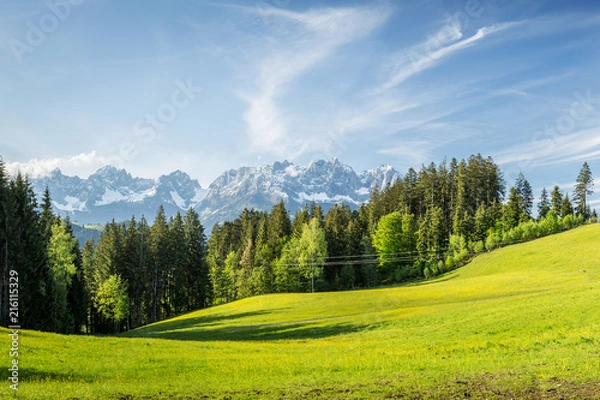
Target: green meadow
(519, 322)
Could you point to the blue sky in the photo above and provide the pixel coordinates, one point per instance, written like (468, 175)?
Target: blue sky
(204, 86)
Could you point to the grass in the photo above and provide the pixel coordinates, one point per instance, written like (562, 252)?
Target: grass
(519, 322)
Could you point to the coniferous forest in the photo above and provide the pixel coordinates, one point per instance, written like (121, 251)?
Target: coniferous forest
(429, 222)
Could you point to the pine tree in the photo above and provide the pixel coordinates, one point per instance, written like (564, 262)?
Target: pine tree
(513, 211)
(556, 200)
(337, 221)
(523, 188)
(146, 268)
(196, 265)
(77, 295)
(159, 250)
(583, 189)
(430, 236)
(87, 263)
(176, 299)
(279, 229)
(108, 260)
(544, 204)
(566, 207)
(300, 219)
(133, 274)
(47, 217)
(27, 254)
(483, 222)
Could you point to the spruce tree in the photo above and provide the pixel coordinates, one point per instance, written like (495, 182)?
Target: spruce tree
(27, 254)
(77, 294)
(196, 266)
(47, 217)
(513, 210)
(556, 201)
(544, 204)
(523, 188)
(583, 189)
(566, 207)
(133, 274)
(159, 249)
(176, 279)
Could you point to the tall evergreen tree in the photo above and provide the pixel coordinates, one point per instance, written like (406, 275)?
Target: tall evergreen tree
(430, 236)
(337, 222)
(556, 201)
(196, 266)
(77, 294)
(523, 188)
(133, 273)
(566, 207)
(583, 189)
(176, 299)
(544, 204)
(159, 249)
(108, 260)
(88, 266)
(47, 218)
(27, 254)
(513, 211)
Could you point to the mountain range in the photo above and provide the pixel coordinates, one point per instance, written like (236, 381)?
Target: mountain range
(112, 193)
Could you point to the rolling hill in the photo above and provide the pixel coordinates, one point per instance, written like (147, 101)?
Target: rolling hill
(519, 322)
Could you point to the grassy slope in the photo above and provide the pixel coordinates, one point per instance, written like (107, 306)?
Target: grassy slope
(522, 320)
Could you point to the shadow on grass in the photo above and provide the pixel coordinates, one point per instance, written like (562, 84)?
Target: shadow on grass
(208, 328)
(265, 332)
(192, 322)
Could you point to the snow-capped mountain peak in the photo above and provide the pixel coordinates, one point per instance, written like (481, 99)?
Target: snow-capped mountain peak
(324, 182)
(113, 193)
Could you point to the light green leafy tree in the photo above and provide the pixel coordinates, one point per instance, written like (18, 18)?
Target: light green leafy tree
(62, 266)
(302, 259)
(312, 251)
(394, 239)
(111, 300)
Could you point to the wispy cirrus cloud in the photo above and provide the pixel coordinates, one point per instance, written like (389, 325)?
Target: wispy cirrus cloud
(443, 44)
(580, 146)
(311, 38)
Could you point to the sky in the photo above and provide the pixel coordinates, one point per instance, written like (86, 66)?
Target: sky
(204, 86)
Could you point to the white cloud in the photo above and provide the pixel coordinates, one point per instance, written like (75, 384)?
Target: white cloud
(575, 147)
(314, 36)
(82, 165)
(431, 52)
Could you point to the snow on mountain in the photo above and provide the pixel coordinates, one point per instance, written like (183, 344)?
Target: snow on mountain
(324, 182)
(113, 193)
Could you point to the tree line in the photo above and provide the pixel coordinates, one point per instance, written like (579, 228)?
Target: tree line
(422, 225)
